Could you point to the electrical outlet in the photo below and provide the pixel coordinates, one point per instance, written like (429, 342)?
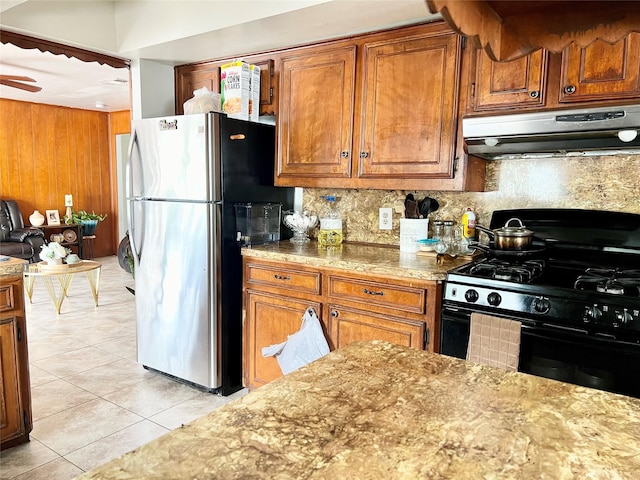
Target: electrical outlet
(386, 218)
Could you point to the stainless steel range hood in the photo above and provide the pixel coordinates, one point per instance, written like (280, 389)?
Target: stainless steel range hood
(595, 131)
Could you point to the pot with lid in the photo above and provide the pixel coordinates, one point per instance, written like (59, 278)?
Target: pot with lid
(510, 237)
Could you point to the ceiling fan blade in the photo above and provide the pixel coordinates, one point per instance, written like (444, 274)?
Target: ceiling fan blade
(16, 77)
(21, 86)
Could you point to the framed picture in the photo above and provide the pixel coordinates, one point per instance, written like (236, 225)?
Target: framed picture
(53, 217)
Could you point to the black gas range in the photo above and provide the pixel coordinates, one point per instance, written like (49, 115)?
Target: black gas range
(576, 293)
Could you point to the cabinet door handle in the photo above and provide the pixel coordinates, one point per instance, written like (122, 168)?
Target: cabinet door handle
(335, 313)
(569, 89)
(534, 94)
(371, 292)
(344, 154)
(280, 277)
(364, 154)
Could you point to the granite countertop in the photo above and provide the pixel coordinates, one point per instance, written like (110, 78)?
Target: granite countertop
(382, 260)
(374, 410)
(12, 266)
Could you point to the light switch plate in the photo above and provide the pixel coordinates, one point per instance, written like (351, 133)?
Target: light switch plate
(386, 218)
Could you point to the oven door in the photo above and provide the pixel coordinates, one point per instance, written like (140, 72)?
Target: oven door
(454, 332)
(565, 354)
(575, 356)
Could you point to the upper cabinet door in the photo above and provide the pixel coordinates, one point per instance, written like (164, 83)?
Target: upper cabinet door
(509, 85)
(316, 113)
(190, 79)
(409, 104)
(601, 71)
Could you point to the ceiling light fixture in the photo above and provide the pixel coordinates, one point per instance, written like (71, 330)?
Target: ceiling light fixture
(114, 81)
(627, 135)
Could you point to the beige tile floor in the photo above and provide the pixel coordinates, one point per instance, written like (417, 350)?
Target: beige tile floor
(91, 401)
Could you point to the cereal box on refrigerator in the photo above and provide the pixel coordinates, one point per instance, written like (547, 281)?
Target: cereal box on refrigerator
(235, 80)
(254, 100)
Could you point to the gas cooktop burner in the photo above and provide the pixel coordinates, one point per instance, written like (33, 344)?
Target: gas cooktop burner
(523, 272)
(610, 280)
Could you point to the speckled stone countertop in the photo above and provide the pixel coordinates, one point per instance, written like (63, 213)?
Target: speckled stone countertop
(374, 410)
(382, 260)
(12, 266)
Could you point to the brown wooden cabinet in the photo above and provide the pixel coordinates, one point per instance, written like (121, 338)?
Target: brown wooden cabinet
(350, 306)
(276, 297)
(315, 124)
(73, 238)
(189, 78)
(271, 318)
(378, 111)
(407, 120)
(15, 396)
(601, 72)
(518, 84)
(352, 325)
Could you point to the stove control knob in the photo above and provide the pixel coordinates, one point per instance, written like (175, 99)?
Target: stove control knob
(494, 299)
(471, 296)
(541, 305)
(622, 317)
(591, 314)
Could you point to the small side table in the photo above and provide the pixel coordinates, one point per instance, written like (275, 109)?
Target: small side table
(64, 275)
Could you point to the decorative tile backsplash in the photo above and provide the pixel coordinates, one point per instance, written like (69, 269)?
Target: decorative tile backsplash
(600, 183)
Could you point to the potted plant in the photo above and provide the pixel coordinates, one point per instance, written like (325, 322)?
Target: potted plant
(89, 221)
(53, 253)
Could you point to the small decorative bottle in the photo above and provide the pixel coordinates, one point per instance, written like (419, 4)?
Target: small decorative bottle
(36, 219)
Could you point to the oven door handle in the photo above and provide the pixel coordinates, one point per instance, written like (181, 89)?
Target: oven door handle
(566, 329)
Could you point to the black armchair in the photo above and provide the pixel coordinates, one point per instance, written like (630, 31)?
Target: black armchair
(16, 240)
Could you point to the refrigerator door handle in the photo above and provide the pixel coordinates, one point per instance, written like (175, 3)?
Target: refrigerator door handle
(133, 144)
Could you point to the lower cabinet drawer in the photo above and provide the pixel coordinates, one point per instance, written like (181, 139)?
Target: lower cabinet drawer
(8, 297)
(282, 277)
(398, 297)
(352, 325)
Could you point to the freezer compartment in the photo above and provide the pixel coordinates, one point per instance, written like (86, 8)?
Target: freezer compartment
(258, 223)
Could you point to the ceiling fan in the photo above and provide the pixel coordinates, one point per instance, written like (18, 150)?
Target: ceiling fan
(16, 82)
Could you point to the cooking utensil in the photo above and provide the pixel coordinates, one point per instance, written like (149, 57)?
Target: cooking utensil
(510, 255)
(427, 205)
(410, 207)
(510, 237)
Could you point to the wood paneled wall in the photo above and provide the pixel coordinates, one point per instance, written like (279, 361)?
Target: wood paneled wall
(48, 151)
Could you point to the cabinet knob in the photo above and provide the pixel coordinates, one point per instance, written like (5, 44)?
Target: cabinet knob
(344, 154)
(281, 277)
(534, 94)
(334, 313)
(569, 89)
(364, 154)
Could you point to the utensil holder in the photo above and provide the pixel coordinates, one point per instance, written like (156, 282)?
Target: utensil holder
(412, 230)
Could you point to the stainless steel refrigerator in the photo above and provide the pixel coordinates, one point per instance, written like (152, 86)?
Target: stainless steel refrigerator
(185, 173)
